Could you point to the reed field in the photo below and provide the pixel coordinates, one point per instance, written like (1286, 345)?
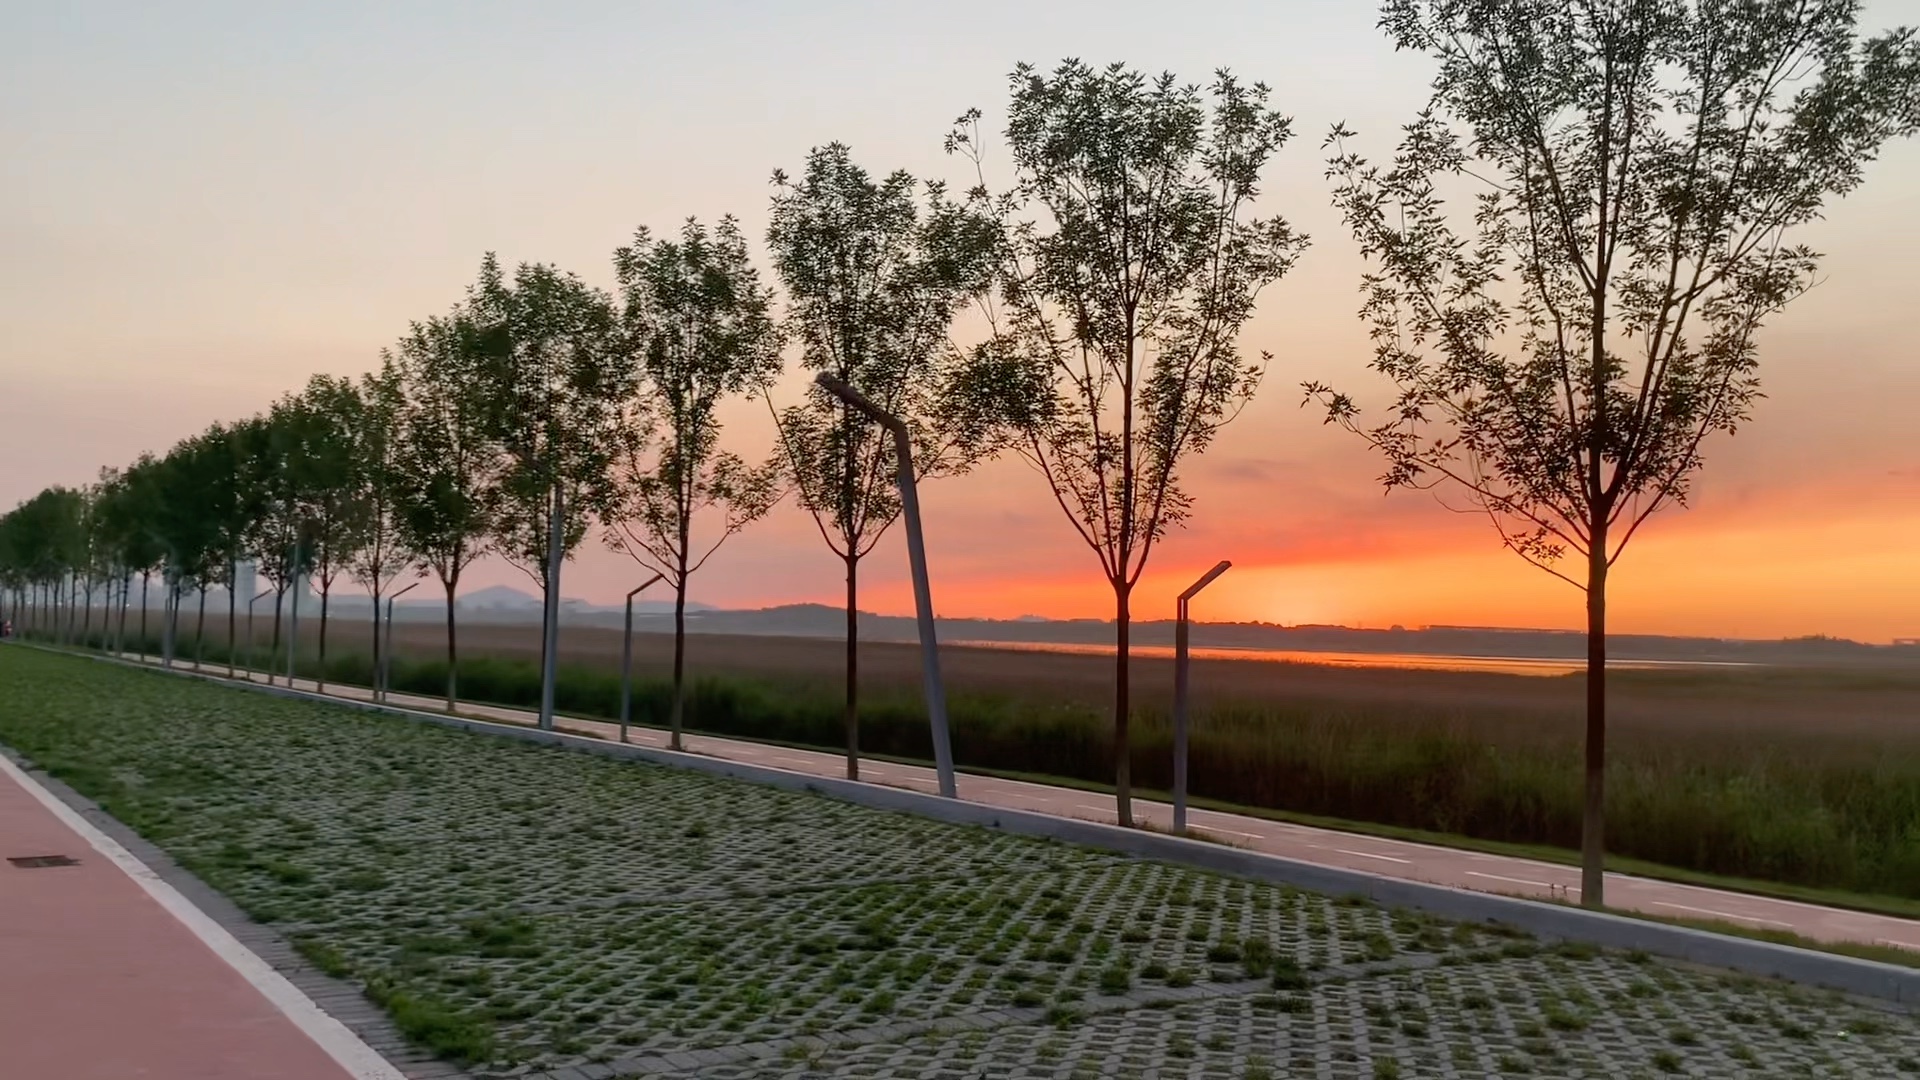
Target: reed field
(1801, 777)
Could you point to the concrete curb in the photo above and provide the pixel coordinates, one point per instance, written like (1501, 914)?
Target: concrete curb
(1866, 978)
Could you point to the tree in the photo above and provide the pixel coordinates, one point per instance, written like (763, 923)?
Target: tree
(232, 508)
(378, 420)
(211, 504)
(270, 451)
(14, 544)
(64, 553)
(123, 524)
(697, 319)
(555, 379)
(1116, 358)
(46, 546)
(91, 570)
(444, 504)
(144, 551)
(1639, 167)
(873, 283)
(327, 478)
(184, 533)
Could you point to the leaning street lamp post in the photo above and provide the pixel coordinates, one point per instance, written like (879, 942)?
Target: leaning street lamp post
(626, 658)
(170, 628)
(293, 619)
(917, 557)
(385, 674)
(1180, 699)
(263, 594)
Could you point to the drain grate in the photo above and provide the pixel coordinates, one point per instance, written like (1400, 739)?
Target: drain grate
(34, 862)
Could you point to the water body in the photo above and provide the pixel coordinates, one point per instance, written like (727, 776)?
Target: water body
(1503, 665)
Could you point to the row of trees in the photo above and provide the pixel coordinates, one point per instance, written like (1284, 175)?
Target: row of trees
(1561, 354)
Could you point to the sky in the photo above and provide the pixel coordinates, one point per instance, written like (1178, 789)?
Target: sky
(201, 204)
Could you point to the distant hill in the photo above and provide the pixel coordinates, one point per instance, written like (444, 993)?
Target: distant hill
(820, 620)
(505, 600)
(502, 603)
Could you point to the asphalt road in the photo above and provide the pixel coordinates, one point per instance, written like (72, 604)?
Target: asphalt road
(1390, 858)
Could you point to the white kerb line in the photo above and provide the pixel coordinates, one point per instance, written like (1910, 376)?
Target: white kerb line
(360, 1061)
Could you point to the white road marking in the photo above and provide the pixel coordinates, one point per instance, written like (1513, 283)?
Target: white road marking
(1520, 881)
(1371, 855)
(1229, 832)
(360, 1061)
(1211, 824)
(1722, 914)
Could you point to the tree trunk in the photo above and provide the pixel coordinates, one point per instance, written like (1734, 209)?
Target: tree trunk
(320, 675)
(146, 579)
(550, 606)
(452, 652)
(1593, 850)
(1122, 706)
(200, 630)
(853, 668)
(679, 656)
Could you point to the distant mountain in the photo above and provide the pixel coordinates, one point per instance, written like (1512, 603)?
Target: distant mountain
(508, 604)
(505, 600)
(820, 620)
(497, 598)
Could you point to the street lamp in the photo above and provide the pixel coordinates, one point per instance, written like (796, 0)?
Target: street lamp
(626, 658)
(169, 633)
(263, 594)
(1180, 699)
(293, 618)
(385, 674)
(917, 557)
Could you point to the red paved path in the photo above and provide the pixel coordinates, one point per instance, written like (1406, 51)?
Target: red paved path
(98, 981)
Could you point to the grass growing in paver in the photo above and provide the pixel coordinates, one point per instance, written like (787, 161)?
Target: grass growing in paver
(515, 906)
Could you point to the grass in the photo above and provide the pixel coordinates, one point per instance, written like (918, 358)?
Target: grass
(1782, 783)
(515, 906)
